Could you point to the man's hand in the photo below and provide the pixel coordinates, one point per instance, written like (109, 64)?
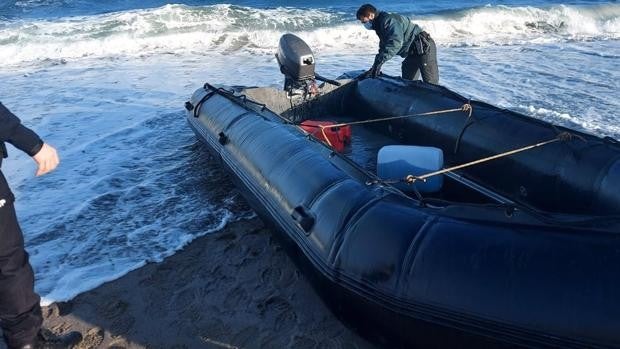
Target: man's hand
(373, 72)
(46, 159)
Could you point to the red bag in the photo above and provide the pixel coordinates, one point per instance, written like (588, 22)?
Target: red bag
(339, 137)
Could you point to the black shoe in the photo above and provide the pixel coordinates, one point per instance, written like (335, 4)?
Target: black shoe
(50, 341)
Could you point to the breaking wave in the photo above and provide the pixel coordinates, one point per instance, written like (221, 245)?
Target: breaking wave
(181, 29)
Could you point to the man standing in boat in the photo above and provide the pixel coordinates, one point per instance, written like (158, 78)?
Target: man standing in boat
(399, 36)
(20, 312)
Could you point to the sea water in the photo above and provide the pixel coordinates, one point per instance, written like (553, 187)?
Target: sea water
(105, 83)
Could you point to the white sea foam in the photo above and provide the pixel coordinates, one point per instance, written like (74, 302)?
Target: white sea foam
(590, 122)
(181, 29)
(515, 25)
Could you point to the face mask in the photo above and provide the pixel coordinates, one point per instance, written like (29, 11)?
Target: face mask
(368, 25)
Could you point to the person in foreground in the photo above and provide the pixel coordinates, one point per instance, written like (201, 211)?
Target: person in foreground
(20, 312)
(399, 36)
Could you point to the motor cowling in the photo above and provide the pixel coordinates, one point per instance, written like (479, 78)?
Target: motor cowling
(297, 63)
(295, 58)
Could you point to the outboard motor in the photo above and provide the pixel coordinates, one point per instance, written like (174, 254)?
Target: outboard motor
(297, 63)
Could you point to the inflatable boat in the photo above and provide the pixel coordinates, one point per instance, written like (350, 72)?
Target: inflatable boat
(424, 219)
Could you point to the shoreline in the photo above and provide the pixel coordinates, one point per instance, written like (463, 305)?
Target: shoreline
(235, 288)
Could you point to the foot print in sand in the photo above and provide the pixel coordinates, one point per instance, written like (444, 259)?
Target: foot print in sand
(92, 339)
(278, 310)
(236, 297)
(113, 309)
(271, 275)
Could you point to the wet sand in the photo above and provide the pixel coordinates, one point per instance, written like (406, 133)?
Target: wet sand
(236, 288)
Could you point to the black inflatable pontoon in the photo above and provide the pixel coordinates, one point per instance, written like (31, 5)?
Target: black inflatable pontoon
(518, 251)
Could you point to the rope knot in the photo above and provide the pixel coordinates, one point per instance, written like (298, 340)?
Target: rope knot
(467, 108)
(410, 179)
(567, 136)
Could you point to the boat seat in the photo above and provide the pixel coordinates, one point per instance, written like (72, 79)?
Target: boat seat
(399, 161)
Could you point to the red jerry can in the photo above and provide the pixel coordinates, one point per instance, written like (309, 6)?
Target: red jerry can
(339, 137)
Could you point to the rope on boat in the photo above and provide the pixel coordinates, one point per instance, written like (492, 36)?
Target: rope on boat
(564, 136)
(466, 108)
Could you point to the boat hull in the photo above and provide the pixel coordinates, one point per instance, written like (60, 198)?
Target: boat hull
(406, 274)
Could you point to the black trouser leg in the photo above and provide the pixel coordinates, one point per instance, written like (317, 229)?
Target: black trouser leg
(426, 64)
(20, 312)
(411, 67)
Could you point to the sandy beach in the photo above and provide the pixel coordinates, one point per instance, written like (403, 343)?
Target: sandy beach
(236, 288)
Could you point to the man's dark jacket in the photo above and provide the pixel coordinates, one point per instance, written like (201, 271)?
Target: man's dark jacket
(396, 34)
(23, 138)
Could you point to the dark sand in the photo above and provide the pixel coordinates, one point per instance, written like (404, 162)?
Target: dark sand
(234, 288)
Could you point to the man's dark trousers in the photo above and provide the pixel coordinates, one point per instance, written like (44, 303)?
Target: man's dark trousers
(20, 312)
(426, 63)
